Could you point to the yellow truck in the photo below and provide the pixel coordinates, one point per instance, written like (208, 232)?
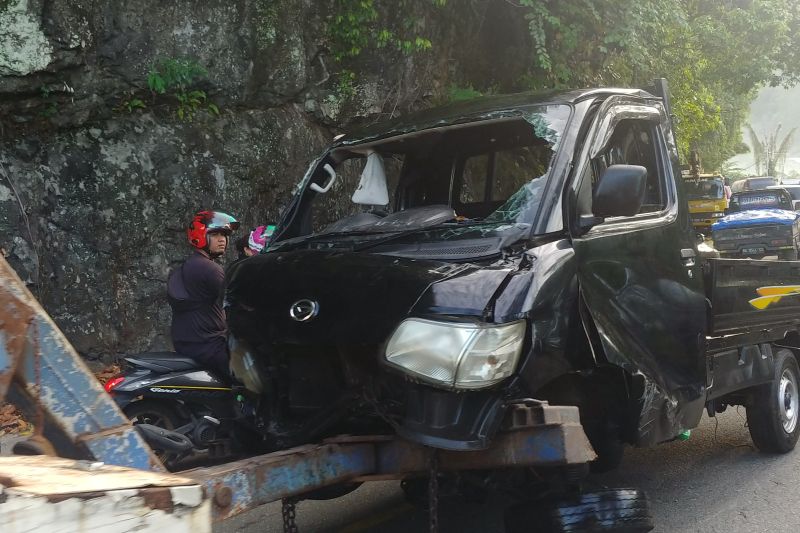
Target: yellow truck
(707, 199)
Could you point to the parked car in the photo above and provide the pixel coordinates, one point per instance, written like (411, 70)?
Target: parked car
(758, 224)
(794, 192)
(753, 184)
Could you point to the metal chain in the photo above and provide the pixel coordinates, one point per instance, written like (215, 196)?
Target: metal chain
(433, 494)
(288, 512)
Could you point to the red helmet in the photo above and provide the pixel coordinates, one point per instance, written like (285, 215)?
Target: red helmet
(205, 222)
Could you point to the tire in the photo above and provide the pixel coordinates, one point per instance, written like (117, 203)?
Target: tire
(153, 412)
(158, 414)
(773, 413)
(35, 445)
(611, 510)
(787, 255)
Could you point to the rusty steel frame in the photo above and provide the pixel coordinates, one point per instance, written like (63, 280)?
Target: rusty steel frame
(36, 355)
(553, 436)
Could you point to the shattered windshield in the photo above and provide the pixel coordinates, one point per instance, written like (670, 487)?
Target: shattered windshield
(490, 171)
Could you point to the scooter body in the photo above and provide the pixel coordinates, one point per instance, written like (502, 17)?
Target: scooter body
(171, 377)
(168, 391)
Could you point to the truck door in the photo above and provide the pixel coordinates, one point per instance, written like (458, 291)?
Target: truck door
(640, 276)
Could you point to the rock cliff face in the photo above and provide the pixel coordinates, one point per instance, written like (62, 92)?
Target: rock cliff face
(98, 175)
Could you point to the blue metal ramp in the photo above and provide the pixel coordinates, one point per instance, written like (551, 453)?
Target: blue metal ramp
(41, 370)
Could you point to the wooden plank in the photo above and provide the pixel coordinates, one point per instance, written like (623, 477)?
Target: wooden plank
(51, 476)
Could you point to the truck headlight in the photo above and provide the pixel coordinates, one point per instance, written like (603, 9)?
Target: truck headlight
(456, 355)
(243, 365)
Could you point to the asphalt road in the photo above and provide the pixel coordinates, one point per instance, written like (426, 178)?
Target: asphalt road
(714, 482)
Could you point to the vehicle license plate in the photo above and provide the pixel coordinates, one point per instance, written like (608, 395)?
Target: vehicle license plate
(752, 250)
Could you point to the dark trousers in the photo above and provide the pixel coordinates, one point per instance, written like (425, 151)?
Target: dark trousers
(212, 355)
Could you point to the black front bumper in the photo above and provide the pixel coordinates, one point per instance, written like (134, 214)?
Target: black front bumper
(452, 420)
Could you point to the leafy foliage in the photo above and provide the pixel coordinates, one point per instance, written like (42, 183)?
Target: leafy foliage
(715, 53)
(357, 25)
(169, 74)
(177, 77)
(344, 84)
(50, 108)
(132, 104)
(460, 94)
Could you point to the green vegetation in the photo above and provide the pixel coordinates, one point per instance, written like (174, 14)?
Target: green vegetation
(357, 25)
(715, 53)
(345, 84)
(50, 105)
(131, 104)
(177, 78)
(460, 94)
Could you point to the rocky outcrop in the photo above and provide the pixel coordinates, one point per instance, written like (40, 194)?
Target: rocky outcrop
(98, 175)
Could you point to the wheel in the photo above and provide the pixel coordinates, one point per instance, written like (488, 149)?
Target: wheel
(157, 414)
(152, 412)
(611, 510)
(787, 255)
(35, 445)
(772, 413)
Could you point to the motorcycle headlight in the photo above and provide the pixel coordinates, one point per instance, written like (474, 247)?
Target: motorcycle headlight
(456, 355)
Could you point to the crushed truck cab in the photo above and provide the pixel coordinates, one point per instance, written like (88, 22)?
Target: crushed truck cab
(433, 272)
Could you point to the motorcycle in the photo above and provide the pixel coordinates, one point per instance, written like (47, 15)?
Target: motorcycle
(184, 410)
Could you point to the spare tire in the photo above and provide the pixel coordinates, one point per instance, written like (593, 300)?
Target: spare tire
(611, 510)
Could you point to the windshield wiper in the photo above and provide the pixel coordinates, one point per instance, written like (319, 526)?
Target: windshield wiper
(297, 241)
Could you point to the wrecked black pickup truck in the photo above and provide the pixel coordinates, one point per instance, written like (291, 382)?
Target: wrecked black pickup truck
(434, 272)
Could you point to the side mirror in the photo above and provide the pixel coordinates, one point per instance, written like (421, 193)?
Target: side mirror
(620, 192)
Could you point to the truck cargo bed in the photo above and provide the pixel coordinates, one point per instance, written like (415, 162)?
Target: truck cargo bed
(750, 296)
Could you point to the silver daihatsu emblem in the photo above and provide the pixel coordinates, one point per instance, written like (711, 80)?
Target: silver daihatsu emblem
(304, 310)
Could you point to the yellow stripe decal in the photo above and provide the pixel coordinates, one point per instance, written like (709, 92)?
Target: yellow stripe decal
(778, 290)
(773, 294)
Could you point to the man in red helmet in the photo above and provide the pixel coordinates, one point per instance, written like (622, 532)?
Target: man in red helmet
(195, 291)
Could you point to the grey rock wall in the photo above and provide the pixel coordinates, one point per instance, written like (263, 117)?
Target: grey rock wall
(94, 197)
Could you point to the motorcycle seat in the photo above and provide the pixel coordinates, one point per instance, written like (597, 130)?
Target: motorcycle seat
(163, 362)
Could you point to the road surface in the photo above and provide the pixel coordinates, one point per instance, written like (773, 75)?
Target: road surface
(714, 482)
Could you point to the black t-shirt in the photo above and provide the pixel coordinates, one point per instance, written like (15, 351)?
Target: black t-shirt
(195, 291)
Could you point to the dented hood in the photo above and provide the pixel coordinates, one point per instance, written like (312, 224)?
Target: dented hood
(360, 297)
